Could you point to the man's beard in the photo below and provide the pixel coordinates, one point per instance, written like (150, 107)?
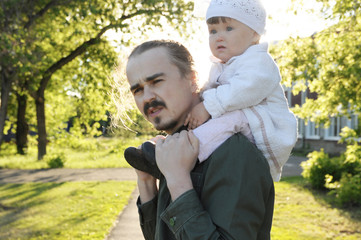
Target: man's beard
(165, 126)
(157, 121)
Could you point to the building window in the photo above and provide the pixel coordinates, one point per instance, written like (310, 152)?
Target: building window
(337, 123)
(300, 127)
(354, 122)
(312, 132)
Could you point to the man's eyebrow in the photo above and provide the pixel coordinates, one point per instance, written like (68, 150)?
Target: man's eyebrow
(147, 79)
(154, 76)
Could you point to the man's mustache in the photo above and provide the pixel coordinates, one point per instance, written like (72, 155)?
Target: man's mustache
(154, 104)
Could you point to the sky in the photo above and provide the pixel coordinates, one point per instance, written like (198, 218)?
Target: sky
(285, 24)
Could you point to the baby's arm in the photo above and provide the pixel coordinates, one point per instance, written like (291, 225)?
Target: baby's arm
(197, 116)
(252, 82)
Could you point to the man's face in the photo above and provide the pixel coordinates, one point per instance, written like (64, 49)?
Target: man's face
(162, 95)
(230, 38)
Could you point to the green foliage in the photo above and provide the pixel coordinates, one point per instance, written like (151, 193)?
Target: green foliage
(76, 142)
(60, 48)
(341, 175)
(327, 63)
(55, 160)
(348, 190)
(319, 165)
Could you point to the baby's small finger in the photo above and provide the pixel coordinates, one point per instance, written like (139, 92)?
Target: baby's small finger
(187, 120)
(198, 124)
(194, 123)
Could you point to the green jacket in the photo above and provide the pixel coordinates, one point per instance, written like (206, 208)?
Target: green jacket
(233, 198)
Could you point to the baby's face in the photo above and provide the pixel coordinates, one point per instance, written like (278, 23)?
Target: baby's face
(230, 38)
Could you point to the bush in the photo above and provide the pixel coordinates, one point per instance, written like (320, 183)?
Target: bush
(55, 160)
(319, 165)
(348, 190)
(341, 175)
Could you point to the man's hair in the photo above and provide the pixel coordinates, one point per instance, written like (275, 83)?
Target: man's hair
(179, 55)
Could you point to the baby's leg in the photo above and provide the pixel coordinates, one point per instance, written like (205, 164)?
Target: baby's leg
(215, 131)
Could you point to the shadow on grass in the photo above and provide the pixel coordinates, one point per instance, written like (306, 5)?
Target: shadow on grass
(21, 199)
(322, 197)
(24, 201)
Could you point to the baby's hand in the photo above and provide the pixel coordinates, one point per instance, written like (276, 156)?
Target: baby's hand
(197, 116)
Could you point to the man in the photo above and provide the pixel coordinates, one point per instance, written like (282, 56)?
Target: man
(228, 196)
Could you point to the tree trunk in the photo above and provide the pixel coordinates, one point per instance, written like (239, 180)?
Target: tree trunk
(5, 93)
(40, 115)
(39, 95)
(22, 128)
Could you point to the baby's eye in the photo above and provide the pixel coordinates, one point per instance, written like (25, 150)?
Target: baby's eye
(229, 28)
(212, 31)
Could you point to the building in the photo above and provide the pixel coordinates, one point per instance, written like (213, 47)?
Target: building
(312, 137)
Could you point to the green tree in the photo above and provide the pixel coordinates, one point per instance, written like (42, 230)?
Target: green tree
(41, 37)
(328, 63)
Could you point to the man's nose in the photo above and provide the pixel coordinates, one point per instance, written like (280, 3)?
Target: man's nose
(149, 95)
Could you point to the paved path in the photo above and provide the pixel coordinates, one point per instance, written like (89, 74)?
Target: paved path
(292, 166)
(66, 175)
(126, 227)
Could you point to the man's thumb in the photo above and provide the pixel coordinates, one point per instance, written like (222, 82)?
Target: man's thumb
(193, 140)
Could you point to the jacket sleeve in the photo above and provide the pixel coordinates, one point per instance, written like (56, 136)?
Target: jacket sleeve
(147, 217)
(253, 79)
(236, 202)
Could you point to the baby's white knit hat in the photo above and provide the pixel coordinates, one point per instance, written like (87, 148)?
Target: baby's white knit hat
(249, 12)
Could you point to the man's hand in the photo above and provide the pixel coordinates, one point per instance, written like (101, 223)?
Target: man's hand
(176, 157)
(197, 116)
(147, 186)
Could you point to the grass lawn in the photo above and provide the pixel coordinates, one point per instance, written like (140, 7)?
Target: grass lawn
(304, 214)
(72, 210)
(87, 210)
(84, 153)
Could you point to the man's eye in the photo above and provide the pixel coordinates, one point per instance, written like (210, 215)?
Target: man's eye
(136, 91)
(229, 28)
(157, 81)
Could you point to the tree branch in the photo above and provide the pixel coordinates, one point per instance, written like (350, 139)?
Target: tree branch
(59, 64)
(40, 13)
(78, 51)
